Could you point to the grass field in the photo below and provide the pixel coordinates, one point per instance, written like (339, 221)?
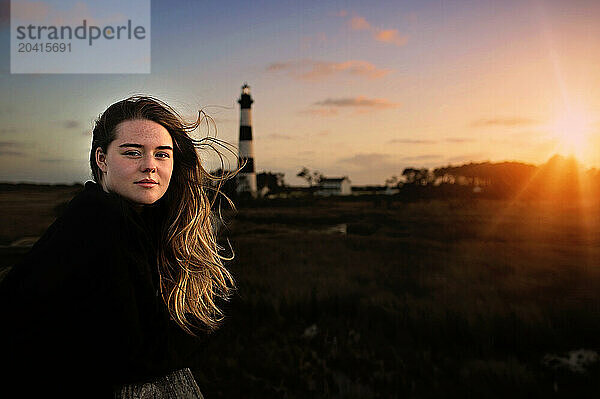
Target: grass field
(379, 299)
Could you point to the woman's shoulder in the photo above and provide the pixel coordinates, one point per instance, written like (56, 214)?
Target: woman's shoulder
(93, 219)
(85, 219)
(99, 212)
(95, 232)
(94, 203)
(92, 214)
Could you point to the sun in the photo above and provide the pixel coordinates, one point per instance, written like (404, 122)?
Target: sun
(572, 131)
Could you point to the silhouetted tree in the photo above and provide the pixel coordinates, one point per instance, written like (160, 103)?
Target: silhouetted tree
(560, 178)
(273, 181)
(311, 177)
(418, 176)
(392, 181)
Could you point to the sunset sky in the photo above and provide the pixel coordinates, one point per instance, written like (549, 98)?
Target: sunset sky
(362, 89)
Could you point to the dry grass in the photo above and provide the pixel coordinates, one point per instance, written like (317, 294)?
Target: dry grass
(423, 299)
(28, 210)
(429, 299)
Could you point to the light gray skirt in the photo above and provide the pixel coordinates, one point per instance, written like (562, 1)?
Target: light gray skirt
(179, 384)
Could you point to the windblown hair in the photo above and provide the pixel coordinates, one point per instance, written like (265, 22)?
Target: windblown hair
(190, 268)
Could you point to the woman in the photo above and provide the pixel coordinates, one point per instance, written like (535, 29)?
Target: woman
(110, 300)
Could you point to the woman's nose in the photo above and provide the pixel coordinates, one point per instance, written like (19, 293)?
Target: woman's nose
(149, 163)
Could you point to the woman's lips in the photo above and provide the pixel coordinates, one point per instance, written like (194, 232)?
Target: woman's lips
(146, 184)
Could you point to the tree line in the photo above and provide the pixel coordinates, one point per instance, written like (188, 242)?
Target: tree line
(559, 178)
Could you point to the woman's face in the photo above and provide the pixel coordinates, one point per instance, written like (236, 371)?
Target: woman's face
(139, 162)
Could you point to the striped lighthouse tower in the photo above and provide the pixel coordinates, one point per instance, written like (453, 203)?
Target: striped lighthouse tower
(247, 177)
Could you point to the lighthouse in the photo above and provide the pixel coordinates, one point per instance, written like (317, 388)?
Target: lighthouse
(246, 181)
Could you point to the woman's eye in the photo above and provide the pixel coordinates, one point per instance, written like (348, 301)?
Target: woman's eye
(162, 155)
(132, 153)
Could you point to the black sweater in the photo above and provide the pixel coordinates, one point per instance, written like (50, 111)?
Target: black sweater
(81, 311)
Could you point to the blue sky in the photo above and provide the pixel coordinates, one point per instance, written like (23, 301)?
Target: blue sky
(348, 88)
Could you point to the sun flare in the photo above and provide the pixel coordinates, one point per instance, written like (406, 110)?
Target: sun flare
(572, 131)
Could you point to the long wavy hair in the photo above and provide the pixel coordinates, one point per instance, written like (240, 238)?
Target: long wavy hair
(191, 273)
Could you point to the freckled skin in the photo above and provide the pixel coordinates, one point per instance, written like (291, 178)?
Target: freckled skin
(122, 167)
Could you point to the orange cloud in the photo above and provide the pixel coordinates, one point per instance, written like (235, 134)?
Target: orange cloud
(411, 141)
(353, 67)
(511, 121)
(359, 23)
(42, 12)
(458, 140)
(33, 11)
(362, 104)
(359, 101)
(317, 70)
(391, 36)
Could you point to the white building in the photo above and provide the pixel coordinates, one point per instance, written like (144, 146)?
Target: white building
(334, 186)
